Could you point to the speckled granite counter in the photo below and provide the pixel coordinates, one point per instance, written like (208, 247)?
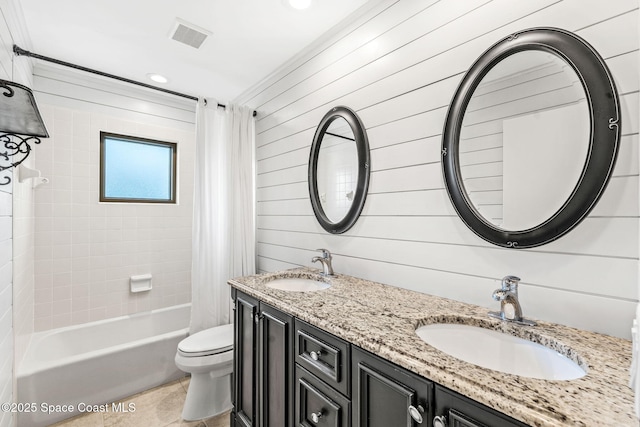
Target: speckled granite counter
(382, 319)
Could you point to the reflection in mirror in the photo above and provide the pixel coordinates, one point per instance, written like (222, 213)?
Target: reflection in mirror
(337, 171)
(524, 140)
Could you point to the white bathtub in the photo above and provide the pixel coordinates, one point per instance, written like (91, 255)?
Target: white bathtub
(98, 362)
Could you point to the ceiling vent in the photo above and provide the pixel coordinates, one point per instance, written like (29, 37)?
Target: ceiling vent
(188, 33)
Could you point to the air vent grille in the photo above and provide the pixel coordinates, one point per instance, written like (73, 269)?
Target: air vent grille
(189, 34)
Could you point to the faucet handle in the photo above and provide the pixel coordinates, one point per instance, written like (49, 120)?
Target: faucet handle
(510, 283)
(325, 253)
(499, 294)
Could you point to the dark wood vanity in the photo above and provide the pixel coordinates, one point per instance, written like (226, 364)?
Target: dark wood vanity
(291, 373)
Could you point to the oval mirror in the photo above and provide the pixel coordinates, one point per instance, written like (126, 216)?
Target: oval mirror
(531, 138)
(339, 170)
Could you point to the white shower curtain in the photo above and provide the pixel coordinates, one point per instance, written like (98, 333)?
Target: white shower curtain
(223, 217)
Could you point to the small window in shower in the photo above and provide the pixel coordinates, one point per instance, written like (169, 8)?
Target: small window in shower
(137, 170)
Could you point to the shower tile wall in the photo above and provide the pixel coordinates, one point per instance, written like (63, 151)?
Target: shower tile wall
(23, 262)
(85, 251)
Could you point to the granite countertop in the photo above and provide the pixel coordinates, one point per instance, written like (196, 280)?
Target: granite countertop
(382, 319)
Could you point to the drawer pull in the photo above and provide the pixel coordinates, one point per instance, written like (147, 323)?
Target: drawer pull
(315, 355)
(440, 421)
(416, 413)
(315, 417)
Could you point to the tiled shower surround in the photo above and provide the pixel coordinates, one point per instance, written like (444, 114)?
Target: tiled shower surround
(85, 251)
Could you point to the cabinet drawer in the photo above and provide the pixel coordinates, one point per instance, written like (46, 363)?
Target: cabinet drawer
(324, 355)
(318, 405)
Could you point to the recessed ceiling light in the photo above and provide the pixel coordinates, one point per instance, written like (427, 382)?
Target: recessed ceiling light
(157, 78)
(299, 4)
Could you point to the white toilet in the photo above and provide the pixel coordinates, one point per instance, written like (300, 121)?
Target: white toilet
(208, 356)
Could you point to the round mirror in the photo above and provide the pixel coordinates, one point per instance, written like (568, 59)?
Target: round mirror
(339, 170)
(531, 138)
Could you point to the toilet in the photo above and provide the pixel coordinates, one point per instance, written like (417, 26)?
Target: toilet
(208, 356)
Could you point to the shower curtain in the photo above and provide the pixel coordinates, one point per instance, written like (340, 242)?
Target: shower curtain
(223, 230)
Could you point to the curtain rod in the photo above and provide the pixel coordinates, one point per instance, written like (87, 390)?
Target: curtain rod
(21, 52)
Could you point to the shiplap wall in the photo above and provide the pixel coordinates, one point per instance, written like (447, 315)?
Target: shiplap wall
(398, 67)
(12, 294)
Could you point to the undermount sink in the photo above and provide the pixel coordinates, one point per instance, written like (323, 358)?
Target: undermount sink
(499, 351)
(297, 284)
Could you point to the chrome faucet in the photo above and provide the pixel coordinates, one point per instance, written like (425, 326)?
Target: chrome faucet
(510, 309)
(325, 259)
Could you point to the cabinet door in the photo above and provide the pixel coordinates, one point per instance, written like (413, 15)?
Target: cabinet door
(245, 360)
(276, 354)
(455, 410)
(385, 395)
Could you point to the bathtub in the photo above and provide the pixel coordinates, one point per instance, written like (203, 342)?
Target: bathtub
(97, 363)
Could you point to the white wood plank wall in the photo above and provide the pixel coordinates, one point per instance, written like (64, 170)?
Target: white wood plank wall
(398, 67)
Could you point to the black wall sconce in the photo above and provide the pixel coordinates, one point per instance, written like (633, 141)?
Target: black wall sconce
(20, 125)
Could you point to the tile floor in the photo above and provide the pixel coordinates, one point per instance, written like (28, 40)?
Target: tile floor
(157, 407)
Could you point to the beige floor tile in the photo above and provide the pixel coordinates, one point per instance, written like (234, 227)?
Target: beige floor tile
(185, 382)
(221, 420)
(157, 407)
(84, 420)
(183, 423)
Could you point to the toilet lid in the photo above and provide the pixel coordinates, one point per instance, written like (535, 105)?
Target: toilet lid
(210, 341)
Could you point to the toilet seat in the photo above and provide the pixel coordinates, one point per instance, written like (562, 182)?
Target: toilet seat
(209, 342)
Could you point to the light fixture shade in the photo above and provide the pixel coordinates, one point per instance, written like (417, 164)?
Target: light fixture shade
(18, 111)
(20, 125)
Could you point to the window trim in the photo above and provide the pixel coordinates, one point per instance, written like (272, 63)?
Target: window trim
(174, 168)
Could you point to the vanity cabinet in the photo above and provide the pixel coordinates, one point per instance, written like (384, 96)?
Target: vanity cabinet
(288, 373)
(263, 364)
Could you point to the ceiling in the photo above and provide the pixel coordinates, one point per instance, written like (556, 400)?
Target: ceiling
(131, 38)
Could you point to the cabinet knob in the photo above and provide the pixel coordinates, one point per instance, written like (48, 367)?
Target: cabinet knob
(315, 355)
(439, 421)
(416, 413)
(315, 417)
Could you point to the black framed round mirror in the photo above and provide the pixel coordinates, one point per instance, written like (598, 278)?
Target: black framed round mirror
(339, 170)
(531, 138)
